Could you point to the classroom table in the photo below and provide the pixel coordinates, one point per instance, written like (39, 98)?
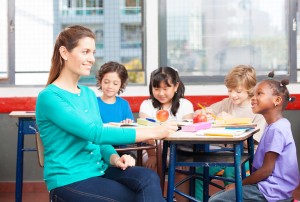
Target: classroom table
(26, 126)
(234, 159)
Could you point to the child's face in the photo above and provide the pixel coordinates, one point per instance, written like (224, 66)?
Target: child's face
(110, 84)
(238, 96)
(263, 98)
(164, 93)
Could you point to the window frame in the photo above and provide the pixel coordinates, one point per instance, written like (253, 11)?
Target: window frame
(10, 80)
(162, 48)
(218, 79)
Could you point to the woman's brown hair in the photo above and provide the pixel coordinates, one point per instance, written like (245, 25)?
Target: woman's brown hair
(68, 38)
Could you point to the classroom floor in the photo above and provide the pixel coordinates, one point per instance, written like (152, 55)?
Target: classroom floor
(27, 197)
(38, 195)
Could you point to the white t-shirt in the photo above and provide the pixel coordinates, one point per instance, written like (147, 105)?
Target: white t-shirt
(185, 108)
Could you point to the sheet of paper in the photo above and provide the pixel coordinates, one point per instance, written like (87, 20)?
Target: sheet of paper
(123, 124)
(222, 132)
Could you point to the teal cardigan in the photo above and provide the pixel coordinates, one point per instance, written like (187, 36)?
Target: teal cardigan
(76, 144)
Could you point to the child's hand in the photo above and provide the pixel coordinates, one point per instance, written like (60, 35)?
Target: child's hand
(126, 121)
(225, 116)
(207, 112)
(125, 161)
(199, 111)
(230, 186)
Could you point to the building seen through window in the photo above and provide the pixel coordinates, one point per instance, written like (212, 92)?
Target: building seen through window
(207, 38)
(202, 39)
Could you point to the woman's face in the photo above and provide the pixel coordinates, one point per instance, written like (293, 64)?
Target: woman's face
(164, 93)
(81, 59)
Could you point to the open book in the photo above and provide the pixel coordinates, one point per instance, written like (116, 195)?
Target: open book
(122, 124)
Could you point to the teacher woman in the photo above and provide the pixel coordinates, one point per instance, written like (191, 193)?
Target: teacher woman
(80, 161)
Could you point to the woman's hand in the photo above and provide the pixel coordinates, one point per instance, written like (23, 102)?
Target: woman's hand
(156, 133)
(165, 129)
(124, 162)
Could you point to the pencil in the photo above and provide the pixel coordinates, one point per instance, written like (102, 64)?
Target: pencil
(202, 107)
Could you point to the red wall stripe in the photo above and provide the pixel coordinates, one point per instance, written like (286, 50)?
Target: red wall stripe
(8, 105)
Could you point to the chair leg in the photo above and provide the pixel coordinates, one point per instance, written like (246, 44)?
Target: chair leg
(159, 163)
(139, 160)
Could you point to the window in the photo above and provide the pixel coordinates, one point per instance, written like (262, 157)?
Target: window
(82, 7)
(118, 36)
(3, 42)
(135, 69)
(204, 39)
(131, 36)
(132, 7)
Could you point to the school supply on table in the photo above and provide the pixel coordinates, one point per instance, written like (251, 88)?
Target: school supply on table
(236, 123)
(152, 120)
(236, 126)
(223, 132)
(196, 126)
(184, 122)
(147, 122)
(123, 124)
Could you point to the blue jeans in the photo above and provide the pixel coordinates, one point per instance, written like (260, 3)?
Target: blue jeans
(133, 184)
(250, 193)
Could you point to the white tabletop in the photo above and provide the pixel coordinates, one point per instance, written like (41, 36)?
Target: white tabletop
(192, 136)
(22, 114)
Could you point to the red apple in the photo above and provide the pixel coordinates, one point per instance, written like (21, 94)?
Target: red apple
(200, 118)
(162, 115)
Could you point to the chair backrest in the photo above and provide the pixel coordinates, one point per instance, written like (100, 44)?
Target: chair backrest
(40, 149)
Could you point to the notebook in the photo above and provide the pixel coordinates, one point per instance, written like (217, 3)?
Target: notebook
(223, 132)
(235, 123)
(235, 126)
(123, 124)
